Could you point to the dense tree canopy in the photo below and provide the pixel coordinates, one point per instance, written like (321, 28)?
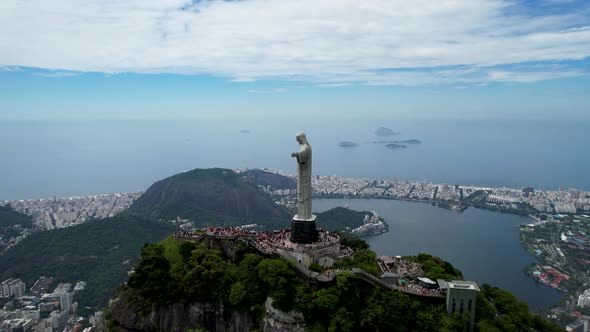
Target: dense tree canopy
(193, 273)
(100, 252)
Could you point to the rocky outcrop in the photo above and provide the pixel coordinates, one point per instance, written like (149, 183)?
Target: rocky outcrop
(276, 320)
(179, 317)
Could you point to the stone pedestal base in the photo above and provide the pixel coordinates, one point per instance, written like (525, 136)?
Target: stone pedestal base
(303, 230)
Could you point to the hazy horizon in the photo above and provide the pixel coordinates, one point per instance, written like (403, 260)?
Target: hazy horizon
(73, 158)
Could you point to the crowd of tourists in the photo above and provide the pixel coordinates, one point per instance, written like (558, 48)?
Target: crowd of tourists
(420, 290)
(228, 231)
(400, 267)
(264, 240)
(269, 240)
(187, 235)
(325, 237)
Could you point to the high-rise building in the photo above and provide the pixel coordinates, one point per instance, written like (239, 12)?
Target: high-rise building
(12, 287)
(461, 296)
(18, 288)
(65, 301)
(5, 289)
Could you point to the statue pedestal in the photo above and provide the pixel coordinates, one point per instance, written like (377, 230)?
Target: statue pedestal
(303, 230)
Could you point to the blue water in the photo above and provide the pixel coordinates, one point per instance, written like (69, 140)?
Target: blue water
(484, 245)
(68, 158)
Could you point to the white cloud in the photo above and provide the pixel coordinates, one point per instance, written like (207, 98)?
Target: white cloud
(530, 76)
(325, 42)
(280, 90)
(9, 68)
(56, 74)
(243, 80)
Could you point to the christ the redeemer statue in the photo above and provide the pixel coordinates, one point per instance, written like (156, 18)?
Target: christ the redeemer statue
(303, 178)
(303, 228)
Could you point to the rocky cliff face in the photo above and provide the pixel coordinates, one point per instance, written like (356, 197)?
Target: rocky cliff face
(276, 320)
(179, 317)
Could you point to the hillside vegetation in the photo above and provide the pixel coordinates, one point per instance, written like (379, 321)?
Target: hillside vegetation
(99, 252)
(263, 178)
(340, 218)
(172, 272)
(210, 197)
(9, 217)
(12, 224)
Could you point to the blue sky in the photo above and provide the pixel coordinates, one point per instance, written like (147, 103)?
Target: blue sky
(106, 59)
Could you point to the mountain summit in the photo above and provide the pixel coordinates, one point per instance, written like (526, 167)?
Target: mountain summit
(210, 196)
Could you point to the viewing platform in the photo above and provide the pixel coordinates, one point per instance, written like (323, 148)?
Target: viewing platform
(300, 255)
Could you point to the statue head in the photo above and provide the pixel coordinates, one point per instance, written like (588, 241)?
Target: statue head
(301, 138)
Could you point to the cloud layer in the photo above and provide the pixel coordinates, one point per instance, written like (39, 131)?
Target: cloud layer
(379, 42)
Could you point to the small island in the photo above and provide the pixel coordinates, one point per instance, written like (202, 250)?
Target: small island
(394, 146)
(409, 141)
(347, 144)
(382, 132)
(245, 131)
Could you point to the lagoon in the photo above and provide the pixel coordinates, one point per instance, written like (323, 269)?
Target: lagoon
(484, 245)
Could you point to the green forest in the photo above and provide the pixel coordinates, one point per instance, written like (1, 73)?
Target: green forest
(339, 218)
(173, 271)
(9, 217)
(99, 252)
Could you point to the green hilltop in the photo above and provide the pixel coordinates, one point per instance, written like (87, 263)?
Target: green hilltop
(179, 273)
(210, 197)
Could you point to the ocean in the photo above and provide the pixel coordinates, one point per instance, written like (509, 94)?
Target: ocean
(72, 158)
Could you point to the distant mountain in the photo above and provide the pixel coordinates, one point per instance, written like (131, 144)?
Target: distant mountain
(210, 197)
(263, 178)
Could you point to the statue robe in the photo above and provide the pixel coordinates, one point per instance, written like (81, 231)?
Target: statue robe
(304, 182)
